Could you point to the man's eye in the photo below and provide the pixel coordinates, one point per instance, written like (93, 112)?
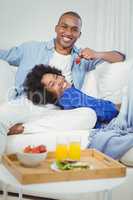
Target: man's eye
(63, 26)
(75, 30)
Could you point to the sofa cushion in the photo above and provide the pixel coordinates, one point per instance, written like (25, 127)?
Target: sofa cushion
(127, 158)
(63, 120)
(90, 86)
(112, 80)
(7, 77)
(108, 81)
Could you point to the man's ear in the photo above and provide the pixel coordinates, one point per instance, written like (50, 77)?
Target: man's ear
(80, 34)
(56, 27)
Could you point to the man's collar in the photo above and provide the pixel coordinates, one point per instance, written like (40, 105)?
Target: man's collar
(51, 45)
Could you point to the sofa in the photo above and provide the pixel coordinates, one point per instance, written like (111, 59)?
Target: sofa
(108, 81)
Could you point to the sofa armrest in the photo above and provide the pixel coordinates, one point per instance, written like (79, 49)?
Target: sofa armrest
(6, 84)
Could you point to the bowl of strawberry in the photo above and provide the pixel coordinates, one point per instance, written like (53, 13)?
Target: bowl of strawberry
(32, 156)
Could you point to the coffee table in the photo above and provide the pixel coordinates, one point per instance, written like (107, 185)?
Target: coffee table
(58, 190)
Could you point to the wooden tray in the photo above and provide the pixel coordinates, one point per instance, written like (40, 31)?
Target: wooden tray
(101, 166)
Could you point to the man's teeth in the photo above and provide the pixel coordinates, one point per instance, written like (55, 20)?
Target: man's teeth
(66, 39)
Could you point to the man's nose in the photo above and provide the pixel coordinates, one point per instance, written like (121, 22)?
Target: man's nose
(68, 31)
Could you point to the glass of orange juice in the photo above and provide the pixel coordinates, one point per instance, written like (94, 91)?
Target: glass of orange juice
(61, 152)
(74, 147)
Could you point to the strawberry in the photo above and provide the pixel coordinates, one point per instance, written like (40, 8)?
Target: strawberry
(42, 148)
(28, 149)
(35, 150)
(78, 60)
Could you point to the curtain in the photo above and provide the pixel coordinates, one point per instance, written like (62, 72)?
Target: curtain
(110, 25)
(107, 24)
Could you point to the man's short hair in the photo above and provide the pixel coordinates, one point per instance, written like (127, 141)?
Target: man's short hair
(72, 13)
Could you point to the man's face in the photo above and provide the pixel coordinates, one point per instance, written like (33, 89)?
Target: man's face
(68, 31)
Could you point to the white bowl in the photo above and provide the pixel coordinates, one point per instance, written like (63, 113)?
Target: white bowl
(31, 159)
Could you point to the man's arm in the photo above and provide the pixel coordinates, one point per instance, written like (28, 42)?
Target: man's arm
(109, 56)
(12, 56)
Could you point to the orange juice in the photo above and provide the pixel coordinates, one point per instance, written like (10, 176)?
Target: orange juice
(74, 150)
(61, 152)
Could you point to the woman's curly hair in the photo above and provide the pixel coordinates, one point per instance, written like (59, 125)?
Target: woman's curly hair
(33, 87)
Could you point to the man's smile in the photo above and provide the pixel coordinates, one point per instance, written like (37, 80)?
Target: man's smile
(66, 38)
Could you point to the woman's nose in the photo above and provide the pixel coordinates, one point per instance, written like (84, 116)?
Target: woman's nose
(60, 81)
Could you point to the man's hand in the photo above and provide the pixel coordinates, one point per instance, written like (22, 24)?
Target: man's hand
(16, 129)
(88, 54)
(109, 56)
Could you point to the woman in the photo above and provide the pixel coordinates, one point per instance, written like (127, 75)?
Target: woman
(47, 85)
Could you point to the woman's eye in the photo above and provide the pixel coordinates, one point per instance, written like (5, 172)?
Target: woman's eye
(52, 85)
(56, 77)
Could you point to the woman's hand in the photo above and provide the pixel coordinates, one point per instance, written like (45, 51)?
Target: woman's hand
(16, 129)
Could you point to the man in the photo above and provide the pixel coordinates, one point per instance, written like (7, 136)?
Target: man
(59, 52)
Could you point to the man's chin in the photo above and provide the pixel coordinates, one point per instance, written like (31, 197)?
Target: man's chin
(66, 45)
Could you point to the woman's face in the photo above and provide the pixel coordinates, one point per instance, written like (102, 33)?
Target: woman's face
(55, 83)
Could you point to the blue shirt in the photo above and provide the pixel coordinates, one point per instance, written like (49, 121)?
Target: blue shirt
(29, 54)
(74, 98)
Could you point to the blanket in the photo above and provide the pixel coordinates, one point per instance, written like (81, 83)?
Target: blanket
(117, 137)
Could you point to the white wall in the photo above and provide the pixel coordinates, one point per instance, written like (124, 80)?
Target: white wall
(23, 20)
(105, 24)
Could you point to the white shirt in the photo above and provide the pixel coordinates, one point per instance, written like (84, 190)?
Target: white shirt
(62, 62)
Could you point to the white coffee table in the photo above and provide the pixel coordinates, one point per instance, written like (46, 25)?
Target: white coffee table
(59, 190)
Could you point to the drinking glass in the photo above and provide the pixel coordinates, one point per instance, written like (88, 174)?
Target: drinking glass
(61, 148)
(74, 147)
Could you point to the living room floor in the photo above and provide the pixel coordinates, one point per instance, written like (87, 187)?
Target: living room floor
(25, 197)
(12, 198)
